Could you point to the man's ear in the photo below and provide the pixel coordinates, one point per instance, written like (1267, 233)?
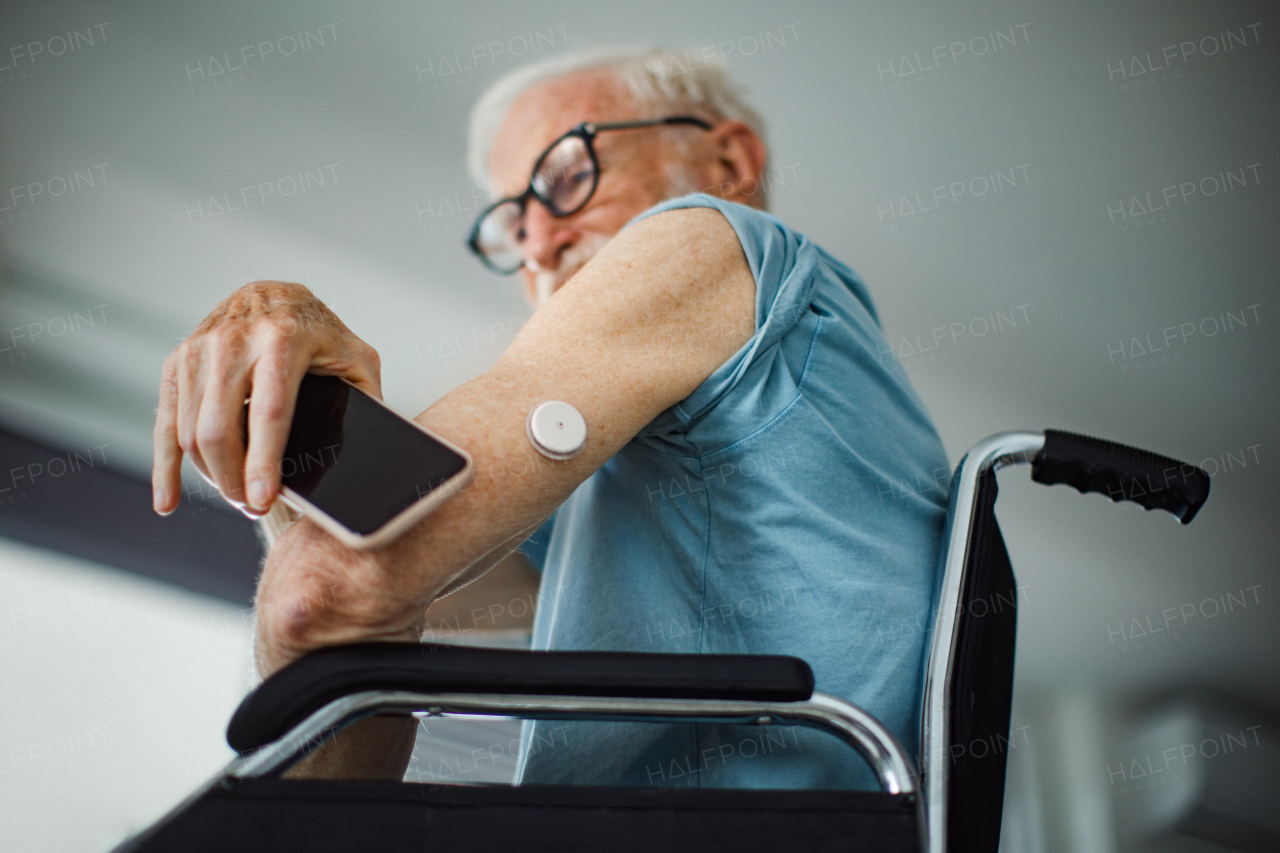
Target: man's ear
(734, 163)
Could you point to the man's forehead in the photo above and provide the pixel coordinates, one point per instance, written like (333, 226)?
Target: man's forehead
(548, 110)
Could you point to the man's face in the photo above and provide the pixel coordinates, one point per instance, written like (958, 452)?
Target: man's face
(634, 173)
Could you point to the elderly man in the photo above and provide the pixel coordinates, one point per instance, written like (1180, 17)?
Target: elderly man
(741, 487)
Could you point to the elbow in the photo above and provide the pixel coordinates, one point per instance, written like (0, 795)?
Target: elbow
(295, 620)
(315, 593)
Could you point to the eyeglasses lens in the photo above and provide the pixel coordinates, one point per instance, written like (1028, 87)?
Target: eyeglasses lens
(565, 176)
(499, 237)
(563, 180)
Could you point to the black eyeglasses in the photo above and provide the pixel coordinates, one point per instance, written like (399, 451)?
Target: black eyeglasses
(564, 178)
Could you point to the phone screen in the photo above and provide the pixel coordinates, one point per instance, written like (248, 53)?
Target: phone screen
(357, 461)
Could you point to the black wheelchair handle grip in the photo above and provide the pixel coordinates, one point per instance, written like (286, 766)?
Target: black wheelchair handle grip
(1122, 473)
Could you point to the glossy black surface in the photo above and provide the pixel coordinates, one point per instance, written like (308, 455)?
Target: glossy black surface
(357, 461)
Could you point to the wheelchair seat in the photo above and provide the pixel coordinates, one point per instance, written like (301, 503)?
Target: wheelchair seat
(951, 800)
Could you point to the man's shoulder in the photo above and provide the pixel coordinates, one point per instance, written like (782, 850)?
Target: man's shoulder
(733, 211)
(760, 233)
(704, 243)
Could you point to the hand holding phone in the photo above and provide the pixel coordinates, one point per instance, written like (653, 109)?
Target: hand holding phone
(255, 343)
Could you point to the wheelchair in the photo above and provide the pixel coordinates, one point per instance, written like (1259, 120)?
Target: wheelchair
(951, 801)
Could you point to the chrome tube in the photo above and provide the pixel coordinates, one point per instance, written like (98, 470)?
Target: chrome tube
(994, 452)
(847, 721)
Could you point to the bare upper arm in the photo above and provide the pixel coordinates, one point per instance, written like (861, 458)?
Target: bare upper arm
(662, 306)
(635, 332)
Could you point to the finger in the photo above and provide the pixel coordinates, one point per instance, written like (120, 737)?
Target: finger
(366, 371)
(186, 376)
(220, 428)
(166, 472)
(359, 364)
(277, 375)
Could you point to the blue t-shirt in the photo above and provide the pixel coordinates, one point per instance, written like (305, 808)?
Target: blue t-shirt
(792, 504)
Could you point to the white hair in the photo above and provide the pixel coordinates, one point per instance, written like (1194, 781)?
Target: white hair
(667, 82)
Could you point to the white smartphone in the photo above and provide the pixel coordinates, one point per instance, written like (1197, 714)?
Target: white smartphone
(361, 470)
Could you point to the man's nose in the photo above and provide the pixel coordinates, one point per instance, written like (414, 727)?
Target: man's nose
(546, 238)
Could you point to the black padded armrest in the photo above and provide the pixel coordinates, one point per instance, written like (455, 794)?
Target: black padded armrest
(302, 687)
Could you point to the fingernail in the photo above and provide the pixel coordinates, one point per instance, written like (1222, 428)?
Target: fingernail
(257, 494)
(158, 500)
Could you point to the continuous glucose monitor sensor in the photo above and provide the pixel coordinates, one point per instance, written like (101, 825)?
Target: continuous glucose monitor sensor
(556, 430)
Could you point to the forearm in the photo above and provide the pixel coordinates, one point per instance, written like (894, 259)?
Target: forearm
(316, 592)
(301, 609)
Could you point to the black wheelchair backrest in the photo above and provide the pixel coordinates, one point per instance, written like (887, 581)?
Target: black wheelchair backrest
(969, 673)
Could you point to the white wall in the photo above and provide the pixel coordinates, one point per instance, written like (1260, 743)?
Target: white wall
(115, 697)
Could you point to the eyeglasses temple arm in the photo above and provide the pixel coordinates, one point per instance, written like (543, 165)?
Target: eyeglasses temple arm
(629, 125)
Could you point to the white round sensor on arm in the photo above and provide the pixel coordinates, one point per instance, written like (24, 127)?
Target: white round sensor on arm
(556, 430)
